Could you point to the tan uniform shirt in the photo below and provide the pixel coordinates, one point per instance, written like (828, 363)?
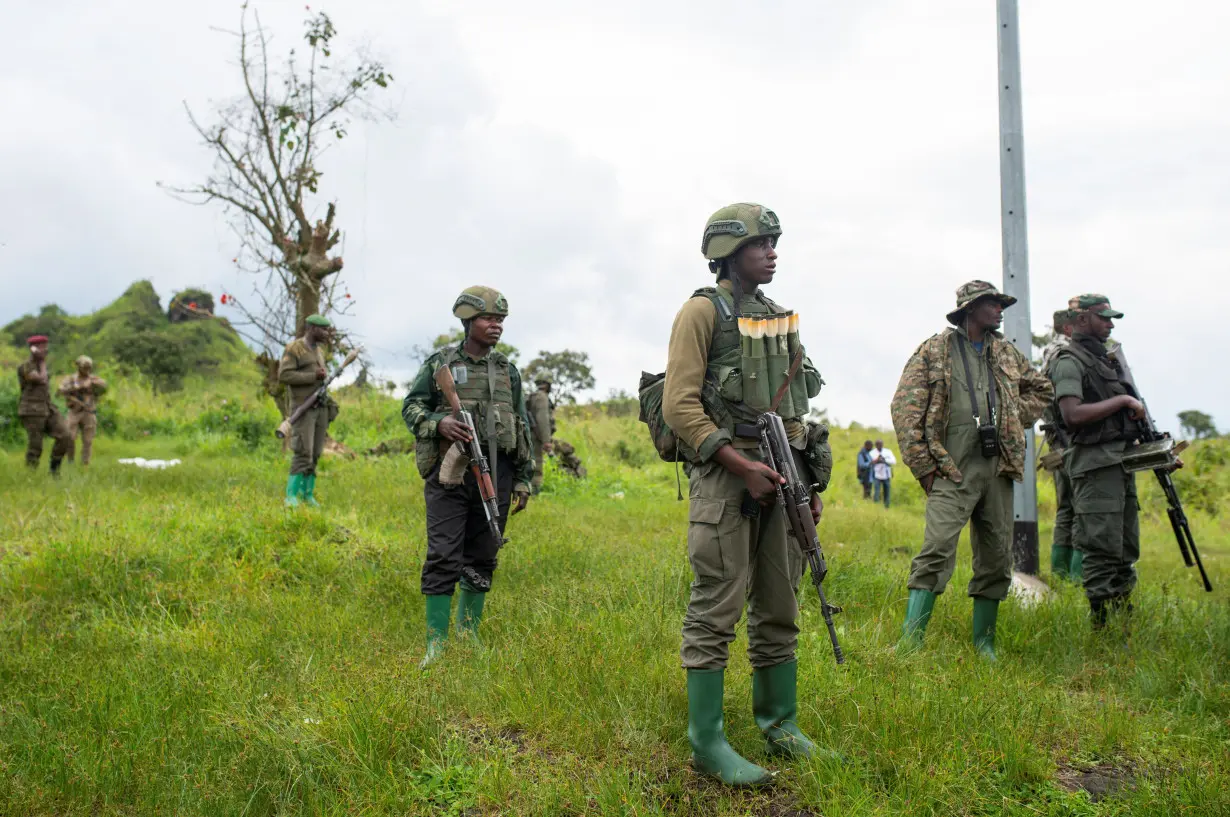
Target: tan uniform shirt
(298, 370)
(687, 359)
(84, 392)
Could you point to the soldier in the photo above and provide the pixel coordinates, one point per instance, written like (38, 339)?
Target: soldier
(1065, 559)
(82, 392)
(738, 545)
(35, 409)
(542, 423)
(961, 408)
(460, 545)
(1099, 411)
(303, 370)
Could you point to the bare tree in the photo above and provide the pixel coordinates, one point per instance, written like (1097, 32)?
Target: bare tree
(267, 147)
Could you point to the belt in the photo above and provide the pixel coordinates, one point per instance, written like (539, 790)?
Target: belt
(749, 431)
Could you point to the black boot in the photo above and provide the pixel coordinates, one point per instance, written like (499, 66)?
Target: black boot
(55, 466)
(1098, 610)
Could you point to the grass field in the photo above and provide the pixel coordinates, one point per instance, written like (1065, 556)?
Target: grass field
(175, 642)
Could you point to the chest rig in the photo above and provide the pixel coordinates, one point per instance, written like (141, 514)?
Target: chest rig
(485, 390)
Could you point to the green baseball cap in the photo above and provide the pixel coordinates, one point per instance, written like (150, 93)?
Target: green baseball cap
(1094, 302)
(317, 320)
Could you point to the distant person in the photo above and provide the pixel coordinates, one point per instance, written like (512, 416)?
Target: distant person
(462, 551)
(1066, 560)
(882, 462)
(541, 411)
(960, 410)
(82, 391)
(864, 468)
(302, 369)
(35, 410)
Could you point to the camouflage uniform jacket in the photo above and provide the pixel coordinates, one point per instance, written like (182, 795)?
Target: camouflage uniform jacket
(298, 370)
(84, 392)
(542, 416)
(920, 405)
(35, 397)
(1052, 348)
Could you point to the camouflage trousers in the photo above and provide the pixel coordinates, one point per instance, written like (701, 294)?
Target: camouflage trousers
(307, 440)
(87, 423)
(984, 501)
(37, 428)
(1107, 530)
(738, 560)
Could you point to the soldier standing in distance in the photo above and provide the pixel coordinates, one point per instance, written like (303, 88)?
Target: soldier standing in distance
(460, 546)
(1066, 560)
(37, 413)
(542, 423)
(1099, 411)
(738, 545)
(961, 408)
(303, 370)
(82, 391)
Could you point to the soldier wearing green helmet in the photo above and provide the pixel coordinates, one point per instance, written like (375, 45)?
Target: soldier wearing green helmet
(541, 410)
(302, 369)
(738, 544)
(460, 546)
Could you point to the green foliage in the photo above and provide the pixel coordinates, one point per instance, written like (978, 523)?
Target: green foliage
(570, 370)
(1197, 424)
(155, 355)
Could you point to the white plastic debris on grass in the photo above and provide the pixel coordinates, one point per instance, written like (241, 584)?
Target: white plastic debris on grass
(142, 462)
(617, 495)
(1028, 589)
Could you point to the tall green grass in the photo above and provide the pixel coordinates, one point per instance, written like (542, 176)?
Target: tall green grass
(175, 642)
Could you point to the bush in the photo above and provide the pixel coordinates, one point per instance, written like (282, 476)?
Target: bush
(156, 355)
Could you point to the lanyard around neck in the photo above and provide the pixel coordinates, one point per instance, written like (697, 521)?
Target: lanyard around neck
(969, 382)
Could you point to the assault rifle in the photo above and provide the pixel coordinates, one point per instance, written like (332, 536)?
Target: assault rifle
(795, 497)
(478, 461)
(1158, 452)
(315, 397)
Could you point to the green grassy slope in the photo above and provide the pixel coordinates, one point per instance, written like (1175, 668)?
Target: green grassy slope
(176, 642)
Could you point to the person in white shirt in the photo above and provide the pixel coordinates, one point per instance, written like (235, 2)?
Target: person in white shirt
(882, 462)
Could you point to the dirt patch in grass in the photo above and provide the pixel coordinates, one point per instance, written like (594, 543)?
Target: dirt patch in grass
(1100, 781)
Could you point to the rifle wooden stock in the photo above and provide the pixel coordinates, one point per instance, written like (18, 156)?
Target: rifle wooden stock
(283, 430)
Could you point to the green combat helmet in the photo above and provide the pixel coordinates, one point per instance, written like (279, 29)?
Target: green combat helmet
(544, 377)
(479, 300)
(734, 225)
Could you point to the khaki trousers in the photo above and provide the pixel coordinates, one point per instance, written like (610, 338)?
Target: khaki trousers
(87, 423)
(737, 560)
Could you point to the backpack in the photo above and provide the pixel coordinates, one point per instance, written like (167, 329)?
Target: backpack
(668, 445)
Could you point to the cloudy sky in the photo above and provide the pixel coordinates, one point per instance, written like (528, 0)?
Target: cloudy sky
(569, 153)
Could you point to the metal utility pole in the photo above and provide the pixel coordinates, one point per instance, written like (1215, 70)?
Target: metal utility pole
(1017, 327)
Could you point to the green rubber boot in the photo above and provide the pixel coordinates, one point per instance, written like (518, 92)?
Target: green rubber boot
(1061, 560)
(985, 613)
(776, 710)
(308, 487)
(439, 608)
(1076, 567)
(294, 489)
(917, 615)
(711, 754)
(470, 611)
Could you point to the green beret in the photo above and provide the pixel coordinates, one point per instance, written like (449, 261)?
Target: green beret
(318, 320)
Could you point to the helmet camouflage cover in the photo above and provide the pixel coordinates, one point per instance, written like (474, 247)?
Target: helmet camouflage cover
(479, 300)
(543, 377)
(734, 225)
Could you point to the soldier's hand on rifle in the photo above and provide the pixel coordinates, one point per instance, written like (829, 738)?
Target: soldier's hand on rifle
(1136, 409)
(321, 374)
(520, 500)
(762, 482)
(548, 447)
(817, 508)
(451, 428)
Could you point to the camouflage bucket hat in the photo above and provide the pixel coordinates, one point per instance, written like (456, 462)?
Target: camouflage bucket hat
(971, 291)
(1093, 302)
(479, 300)
(734, 225)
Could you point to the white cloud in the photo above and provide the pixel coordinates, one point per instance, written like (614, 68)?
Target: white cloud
(569, 153)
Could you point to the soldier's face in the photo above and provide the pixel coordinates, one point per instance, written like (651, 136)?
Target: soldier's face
(38, 351)
(756, 261)
(987, 313)
(1100, 327)
(487, 329)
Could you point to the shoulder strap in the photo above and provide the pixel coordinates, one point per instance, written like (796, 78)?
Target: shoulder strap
(491, 410)
(723, 301)
(969, 381)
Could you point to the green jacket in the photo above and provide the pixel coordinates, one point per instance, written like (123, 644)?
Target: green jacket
(424, 407)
